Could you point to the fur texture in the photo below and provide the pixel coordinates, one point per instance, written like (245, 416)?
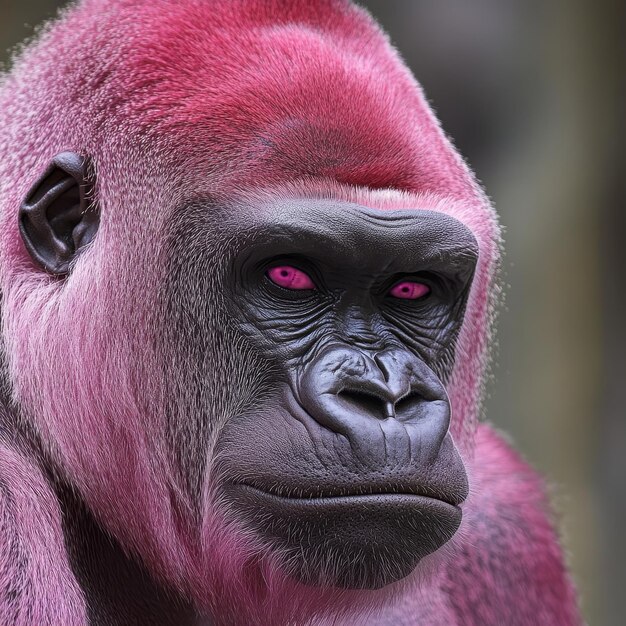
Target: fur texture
(176, 101)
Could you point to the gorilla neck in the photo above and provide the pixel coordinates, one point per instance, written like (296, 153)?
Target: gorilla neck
(118, 590)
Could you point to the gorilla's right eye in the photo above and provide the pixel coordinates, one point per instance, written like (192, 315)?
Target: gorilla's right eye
(290, 277)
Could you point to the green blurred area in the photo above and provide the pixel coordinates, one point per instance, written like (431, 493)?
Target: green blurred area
(533, 94)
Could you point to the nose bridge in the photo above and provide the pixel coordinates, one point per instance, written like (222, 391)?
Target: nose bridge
(395, 367)
(356, 369)
(358, 328)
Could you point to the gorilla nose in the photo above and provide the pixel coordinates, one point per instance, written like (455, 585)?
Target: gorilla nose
(362, 395)
(380, 386)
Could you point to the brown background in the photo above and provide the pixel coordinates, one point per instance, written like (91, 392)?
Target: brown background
(533, 93)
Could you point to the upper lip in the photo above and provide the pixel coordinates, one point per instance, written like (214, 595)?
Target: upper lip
(342, 491)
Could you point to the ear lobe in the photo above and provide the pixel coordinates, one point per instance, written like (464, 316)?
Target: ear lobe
(56, 220)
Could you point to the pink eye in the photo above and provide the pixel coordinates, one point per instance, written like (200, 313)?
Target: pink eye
(409, 290)
(290, 277)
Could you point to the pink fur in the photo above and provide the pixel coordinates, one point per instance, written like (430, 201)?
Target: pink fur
(179, 100)
(36, 583)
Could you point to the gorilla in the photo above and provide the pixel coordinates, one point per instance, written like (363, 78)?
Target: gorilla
(247, 288)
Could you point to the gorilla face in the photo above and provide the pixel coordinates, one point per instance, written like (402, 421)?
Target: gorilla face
(305, 345)
(340, 460)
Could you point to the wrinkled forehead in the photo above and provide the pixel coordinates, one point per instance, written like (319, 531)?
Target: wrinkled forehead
(359, 235)
(362, 216)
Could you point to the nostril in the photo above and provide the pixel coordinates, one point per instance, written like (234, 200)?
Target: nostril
(371, 404)
(406, 406)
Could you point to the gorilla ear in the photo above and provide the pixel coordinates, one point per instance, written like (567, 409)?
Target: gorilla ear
(56, 220)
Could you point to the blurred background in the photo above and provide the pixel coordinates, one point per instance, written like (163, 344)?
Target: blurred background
(534, 94)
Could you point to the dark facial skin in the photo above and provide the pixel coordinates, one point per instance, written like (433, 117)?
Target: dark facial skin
(351, 456)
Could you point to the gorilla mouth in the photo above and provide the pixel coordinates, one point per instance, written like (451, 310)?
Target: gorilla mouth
(337, 494)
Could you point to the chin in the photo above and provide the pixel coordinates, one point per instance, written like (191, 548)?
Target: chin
(349, 542)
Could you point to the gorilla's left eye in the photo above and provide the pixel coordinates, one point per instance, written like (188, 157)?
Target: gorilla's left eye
(409, 290)
(290, 277)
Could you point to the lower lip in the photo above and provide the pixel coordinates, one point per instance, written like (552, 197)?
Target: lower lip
(373, 499)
